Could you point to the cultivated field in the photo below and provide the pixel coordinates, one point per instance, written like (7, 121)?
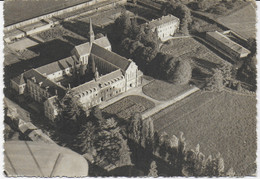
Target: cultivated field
(128, 106)
(242, 21)
(188, 48)
(219, 122)
(17, 10)
(161, 90)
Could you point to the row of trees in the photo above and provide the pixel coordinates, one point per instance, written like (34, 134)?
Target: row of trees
(183, 161)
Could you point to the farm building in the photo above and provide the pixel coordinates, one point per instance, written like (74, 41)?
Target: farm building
(165, 26)
(93, 73)
(226, 44)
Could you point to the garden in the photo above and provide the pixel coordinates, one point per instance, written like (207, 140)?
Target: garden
(162, 90)
(128, 106)
(188, 48)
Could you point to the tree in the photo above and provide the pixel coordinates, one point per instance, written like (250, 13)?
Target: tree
(182, 73)
(194, 162)
(135, 128)
(86, 137)
(148, 135)
(124, 154)
(108, 141)
(69, 114)
(153, 170)
(252, 45)
(215, 82)
(181, 152)
(214, 167)
(230, 173)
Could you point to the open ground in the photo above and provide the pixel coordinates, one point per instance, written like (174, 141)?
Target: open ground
(242, 21)
(220, 122)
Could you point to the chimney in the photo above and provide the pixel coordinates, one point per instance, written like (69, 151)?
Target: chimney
(46, 88)
(34, 79)
(40, 83)
(56, 92)
(69, 86)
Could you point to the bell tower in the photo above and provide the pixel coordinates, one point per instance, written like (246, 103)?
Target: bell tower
(91, 32)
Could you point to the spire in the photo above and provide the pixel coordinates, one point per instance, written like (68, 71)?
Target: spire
(21, 81)
(91, 32)
(93, 66)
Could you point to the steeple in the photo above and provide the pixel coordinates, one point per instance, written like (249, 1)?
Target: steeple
(91, 32)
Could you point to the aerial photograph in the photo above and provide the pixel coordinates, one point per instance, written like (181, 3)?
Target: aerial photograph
(129, 88)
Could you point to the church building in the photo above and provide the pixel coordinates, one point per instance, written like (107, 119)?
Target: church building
(93, 73)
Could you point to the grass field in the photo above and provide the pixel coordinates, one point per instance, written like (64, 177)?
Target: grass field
(161, 90)
(242, 21)
(17, 10)
(188, 48)
(129, 105)
(219, 122)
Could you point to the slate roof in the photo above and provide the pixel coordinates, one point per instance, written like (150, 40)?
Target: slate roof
(162, 20)
(38, 159)
(57, 66)
(45, 82)
(110, 57)
(228, 42)
(110, 76)
(83, 49)
(86, 86)
(102, 42)
(95, 84)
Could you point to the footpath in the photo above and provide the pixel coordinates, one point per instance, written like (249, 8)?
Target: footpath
(165, 104)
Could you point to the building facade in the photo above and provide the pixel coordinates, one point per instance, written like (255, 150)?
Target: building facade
(93, 73)
(165, 26)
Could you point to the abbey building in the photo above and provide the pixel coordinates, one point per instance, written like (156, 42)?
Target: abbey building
(93, 73)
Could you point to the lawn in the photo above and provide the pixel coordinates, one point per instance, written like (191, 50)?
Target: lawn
(219, 122)
(128, 106)
(161, 90)
(242, 21)
(188, 48)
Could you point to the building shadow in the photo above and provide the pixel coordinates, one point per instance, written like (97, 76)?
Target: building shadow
(48, 52)
(82, 28)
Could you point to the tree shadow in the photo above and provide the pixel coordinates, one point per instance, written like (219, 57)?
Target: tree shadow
(73, 40)
(82, 28)
(205, 64)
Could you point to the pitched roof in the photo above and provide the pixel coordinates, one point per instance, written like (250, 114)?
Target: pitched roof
(162, 20)
(19, 80)
(83, 49)
(45, 82)
(110, 57)
(110, 76)
(57, 66)
(228, 42)
(27, 158)
(95, 84)
(102, 42)
(84, 87)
